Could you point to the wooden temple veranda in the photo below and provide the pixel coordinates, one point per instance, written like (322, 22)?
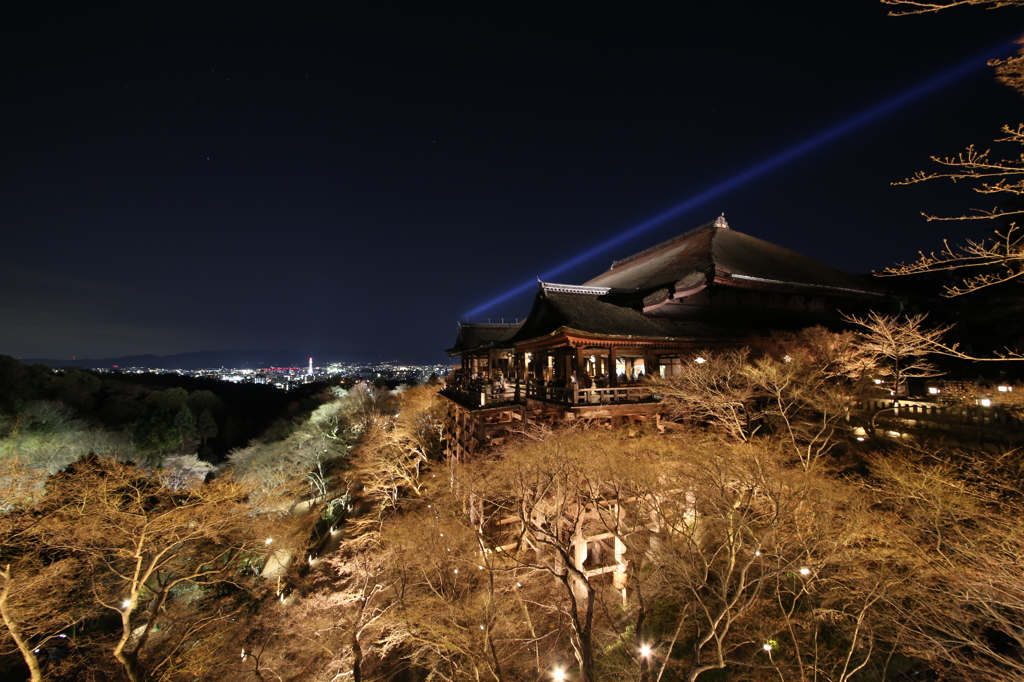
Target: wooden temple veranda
(586, 351)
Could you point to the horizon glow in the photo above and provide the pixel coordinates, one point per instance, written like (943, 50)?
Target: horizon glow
(826, 136)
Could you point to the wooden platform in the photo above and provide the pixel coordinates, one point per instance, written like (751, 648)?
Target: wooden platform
(470, 430)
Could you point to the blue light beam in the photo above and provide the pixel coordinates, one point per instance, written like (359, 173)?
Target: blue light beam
(829, 135)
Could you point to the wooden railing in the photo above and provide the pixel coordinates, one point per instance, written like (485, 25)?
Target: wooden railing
(587, 396)
(487, 396)
(926, 411)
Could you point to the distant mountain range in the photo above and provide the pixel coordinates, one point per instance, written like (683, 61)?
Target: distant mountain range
(206, 359)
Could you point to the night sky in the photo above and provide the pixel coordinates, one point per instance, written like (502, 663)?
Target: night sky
(354, 180)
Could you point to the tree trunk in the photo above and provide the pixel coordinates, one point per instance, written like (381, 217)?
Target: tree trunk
(357, 657)
(129, 661)
(26, 651)
(130, 664)
(583, 628)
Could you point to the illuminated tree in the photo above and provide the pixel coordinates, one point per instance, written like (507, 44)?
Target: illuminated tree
(457, 612)
(365, 402)
(748, 555)
(953, 522)
(40, 597)
(420, 420)
(144, 543)
(902, 345)
(803, 387)
(323, 631)
(810, 384)
(556, 511)
(714, 388)
(155, 431)
(1000, 258)
(986, 262)
(921, 7)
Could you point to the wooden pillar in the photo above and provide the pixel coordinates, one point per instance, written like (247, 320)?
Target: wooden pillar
(581, 373)
(620, 577)
(613, 377)
(519, 361)
(579, 547)
(579, 558)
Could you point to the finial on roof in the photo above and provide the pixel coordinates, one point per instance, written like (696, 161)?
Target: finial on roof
(720, 221)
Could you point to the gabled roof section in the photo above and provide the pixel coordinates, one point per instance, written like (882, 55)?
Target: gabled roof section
(482, 335)
(686, 258)
(713, 249)
(587, 310)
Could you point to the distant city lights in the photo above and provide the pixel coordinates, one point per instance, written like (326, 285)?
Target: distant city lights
(289, 377)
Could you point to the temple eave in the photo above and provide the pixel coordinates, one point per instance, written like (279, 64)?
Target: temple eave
(577, 338)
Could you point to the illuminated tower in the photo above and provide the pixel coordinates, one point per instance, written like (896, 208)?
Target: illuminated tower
(311, 367)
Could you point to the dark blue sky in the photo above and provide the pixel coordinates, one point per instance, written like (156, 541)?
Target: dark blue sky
(357, 178)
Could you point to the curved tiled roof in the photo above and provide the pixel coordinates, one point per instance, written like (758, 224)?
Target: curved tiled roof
(480, 335)
(557, 307)
(612, 304)
(713, 249)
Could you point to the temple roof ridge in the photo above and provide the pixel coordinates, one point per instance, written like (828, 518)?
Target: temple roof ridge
(706, 226)
(490, 325)
(714, 251)
(573, 289)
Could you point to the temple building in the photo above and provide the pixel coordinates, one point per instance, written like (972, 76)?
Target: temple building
(583, 351)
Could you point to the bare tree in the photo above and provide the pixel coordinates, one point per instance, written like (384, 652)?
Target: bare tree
(955, 529)
(365, 402)
(562, 511)
(389, 463)
(1000, 258)
(748, 546)
(802, 386)
(810, 383)
(714, 388)
(326, 630)
(420, 420)
(329, 420)
(144, 542)
(459, 611)
(36, 605)
(986, 262)
(920, 7)
(902, 345)
(37, 590)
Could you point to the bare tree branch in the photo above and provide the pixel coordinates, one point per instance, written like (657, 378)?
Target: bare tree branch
(917, 7)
